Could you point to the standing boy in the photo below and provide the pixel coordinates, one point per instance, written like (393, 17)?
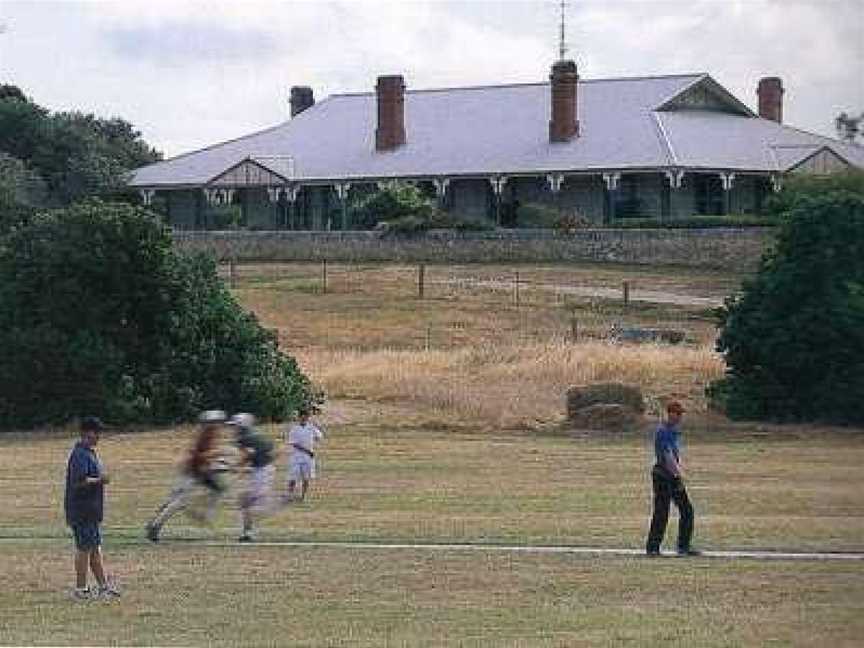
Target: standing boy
(300, 442)
(84, 503)
(257, 455)
(667, 481)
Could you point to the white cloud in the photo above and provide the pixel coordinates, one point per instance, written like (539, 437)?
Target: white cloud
(189, 74)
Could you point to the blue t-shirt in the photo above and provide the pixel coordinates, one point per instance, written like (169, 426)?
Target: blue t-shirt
(665, 441)
(83, 503)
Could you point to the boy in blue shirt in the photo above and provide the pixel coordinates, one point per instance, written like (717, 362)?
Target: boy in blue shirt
(668, 486)
(83, 503)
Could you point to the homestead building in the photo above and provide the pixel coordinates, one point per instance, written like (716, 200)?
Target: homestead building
(665, 147)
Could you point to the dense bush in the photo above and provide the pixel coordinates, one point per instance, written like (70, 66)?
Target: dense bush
(804, 186)
(793, 340)
(393, 202)
(98, 314)
(537, 215)
(697, 222)
(403, 209)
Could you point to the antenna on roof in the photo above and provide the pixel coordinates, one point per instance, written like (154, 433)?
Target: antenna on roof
(562, 45)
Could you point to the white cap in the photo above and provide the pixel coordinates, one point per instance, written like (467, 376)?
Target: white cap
(212, 417)
(242, 420)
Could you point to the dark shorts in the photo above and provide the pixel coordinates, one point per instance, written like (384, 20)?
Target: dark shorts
(211, 481)
(87, 535)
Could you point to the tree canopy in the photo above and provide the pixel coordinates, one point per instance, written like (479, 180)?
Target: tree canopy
(793, 340)
(99, 314)
(72, 154)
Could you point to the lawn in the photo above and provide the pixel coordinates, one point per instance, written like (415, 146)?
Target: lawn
(390, 474)
(444, 424)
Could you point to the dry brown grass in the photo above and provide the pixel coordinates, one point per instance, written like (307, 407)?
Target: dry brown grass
(513, 386)
(468, 350)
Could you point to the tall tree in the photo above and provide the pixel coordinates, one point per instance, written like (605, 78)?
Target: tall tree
(793, 340)
(78, 155)
(849, 128)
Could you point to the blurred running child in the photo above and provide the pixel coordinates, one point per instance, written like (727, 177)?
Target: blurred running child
(256, 454)
(300, 443)
(201, 468)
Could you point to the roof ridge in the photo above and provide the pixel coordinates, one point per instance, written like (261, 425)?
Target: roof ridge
(528, 83)
(233, 139)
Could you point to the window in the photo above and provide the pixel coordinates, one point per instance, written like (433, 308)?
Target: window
(627, 201)
(709, 195)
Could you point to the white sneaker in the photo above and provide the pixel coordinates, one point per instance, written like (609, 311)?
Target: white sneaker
(108, 592)
(81, 594)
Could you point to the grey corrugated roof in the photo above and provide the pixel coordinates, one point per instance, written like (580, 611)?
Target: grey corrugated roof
(703, 139)
(500, 129)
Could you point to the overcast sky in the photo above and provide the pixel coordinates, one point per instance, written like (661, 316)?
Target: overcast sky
(190, 74)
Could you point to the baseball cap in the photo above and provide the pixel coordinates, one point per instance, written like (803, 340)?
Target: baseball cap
(91, 424)
(675, 407)
(212, 417)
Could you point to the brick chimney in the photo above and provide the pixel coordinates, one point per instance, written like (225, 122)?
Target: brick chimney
(770, 93)
(563, 126)
(390, 133)
(301, 99)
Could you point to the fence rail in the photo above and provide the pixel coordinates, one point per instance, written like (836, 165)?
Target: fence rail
(532, 303)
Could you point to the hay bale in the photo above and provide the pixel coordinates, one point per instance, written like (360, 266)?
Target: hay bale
(582, 396)
(606, 417)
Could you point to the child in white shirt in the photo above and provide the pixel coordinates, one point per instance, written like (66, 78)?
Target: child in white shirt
(300, 440)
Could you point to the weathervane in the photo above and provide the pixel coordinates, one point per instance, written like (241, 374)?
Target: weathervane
(562, 46)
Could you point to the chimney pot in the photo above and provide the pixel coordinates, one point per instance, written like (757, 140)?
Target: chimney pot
(301, 99)
(390, 92)
(563, 125)
(770, 93)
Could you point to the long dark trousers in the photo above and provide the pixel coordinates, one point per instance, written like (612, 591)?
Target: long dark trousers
(667, 489)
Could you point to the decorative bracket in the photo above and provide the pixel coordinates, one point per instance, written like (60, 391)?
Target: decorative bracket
(342, 189)
(675, 178)
(498, 183)
(441, 185)
(147, 196)
(776, 182)
(611, 180)
(555, 181)
(726, 180)
(273, 194)
(291, 192)
(219, 196)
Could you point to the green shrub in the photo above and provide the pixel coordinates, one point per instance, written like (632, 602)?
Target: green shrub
(394, 202)
(804, 186)
(697, 222)
(402, 209)
(98, 314)
(537, 216)
(793, 340)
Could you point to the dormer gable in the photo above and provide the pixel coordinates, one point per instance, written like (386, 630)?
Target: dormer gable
(256, 170)
(705, 94)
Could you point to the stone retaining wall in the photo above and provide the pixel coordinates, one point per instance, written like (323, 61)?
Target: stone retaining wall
(732, 248)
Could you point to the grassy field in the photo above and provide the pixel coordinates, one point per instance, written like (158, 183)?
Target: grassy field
(392, 475)
(261, 596)
(458, 437)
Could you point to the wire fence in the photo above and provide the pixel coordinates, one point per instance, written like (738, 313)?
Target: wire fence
(460, 304)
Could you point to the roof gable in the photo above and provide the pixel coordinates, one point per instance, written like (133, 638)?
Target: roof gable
(255, 171)
(813, 159)
(706, 94)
